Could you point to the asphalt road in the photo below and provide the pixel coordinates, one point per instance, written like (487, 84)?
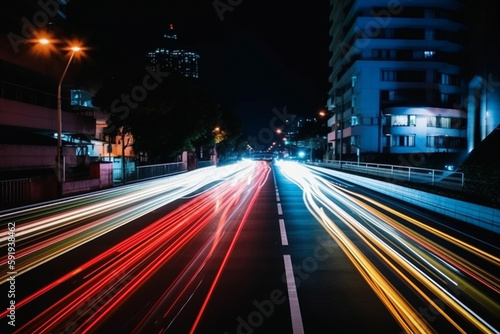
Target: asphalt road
(256, 248)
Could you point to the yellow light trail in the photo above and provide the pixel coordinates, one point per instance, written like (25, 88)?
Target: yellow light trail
(402, 248)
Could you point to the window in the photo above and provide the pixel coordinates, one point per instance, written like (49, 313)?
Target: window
(392, 95)
(429, 13)
(354, 120)
(446, 142)
(440, 122)
(404, 120)
(445, 79)
(429, 54)
(403, 141)
(444, 122)
(383, 54)
(430, 141)
(387, 95)
(412, 120)
(355, 140)
(431, 121)
(429, 34)
(388, 75)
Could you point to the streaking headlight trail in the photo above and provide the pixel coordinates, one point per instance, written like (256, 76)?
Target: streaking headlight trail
(104, 283)
(433, 272)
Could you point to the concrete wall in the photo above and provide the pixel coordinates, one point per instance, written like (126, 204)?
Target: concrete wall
(105, 173)
(80, 186)
(33, 156)
(14, 113)
(101, 177)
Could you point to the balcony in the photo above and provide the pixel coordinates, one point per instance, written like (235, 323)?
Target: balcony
(331, 136)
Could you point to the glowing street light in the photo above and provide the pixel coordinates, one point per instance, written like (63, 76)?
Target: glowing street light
(218, 137)
(59, 157)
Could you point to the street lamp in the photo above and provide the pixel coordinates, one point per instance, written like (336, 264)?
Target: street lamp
(59, 157)
(60, 170)
(218, 137)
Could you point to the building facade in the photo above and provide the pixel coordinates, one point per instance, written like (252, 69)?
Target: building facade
(172, 56)
(397, 84)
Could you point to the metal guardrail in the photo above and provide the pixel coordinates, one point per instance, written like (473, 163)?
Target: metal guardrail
(204, 163)
(434, 177)
(14, 192)
(146, 172)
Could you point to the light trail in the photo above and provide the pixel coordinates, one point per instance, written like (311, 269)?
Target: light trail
(417, 260)
(102, 284)
(68, 229)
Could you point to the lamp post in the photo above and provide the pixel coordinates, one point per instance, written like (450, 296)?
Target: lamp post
(60, 162)
(59, 154)
(217, 139)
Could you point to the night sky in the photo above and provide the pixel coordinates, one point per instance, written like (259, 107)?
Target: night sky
(259, 56)
(255, 55)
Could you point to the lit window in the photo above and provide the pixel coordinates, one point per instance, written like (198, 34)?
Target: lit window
(399, 120)
(404, 120)
(429, 54)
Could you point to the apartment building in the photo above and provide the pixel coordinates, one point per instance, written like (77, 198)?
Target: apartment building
(397, 84)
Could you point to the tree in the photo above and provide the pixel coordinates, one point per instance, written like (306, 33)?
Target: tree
(175, 116)
(233, 134)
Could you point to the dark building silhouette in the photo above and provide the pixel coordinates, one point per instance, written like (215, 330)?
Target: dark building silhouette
(171, 56)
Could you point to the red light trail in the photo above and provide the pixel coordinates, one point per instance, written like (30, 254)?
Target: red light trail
(104, 283)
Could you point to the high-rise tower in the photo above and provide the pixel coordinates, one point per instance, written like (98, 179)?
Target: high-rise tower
(171, 56)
